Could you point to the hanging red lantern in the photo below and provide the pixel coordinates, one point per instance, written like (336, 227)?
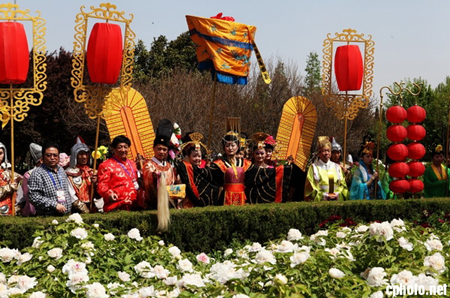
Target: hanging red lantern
(416, 132)
(397, 152)
(396, 133)
(415, 185)
(416, 114)
(104, 53)
(399, 186)
(348, 67)
(398, 170)
(396, 114)
(416, 150)
(416, 169)
(15, 56)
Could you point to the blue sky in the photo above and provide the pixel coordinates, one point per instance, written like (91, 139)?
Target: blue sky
(411, 37)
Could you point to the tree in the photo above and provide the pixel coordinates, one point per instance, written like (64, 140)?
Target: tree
(313, 77)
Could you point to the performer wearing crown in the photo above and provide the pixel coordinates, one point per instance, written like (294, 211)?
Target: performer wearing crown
(199, 189)
(8, 185)
(336, 153)
(325, 179)
(365, 178)
(435, 177)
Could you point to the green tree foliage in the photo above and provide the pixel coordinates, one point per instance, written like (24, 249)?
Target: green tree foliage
(313, 78)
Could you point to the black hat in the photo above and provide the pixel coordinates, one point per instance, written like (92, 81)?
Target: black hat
(163, 133)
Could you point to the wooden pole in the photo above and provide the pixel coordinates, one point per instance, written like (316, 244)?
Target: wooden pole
(11, 119)
(94, 170)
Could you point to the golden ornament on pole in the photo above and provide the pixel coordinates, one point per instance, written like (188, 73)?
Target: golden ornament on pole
(94, 96)
(15, 102)
(357, 78)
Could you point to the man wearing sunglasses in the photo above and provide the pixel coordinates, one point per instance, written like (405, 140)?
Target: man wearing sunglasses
(48, 187)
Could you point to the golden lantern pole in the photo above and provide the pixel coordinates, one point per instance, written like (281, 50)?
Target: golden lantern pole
(346, 105)
(15, 102)
(95, 97)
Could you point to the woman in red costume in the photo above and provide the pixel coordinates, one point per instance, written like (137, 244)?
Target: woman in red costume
(8, 186)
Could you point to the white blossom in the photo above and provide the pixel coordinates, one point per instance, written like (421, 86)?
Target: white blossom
(96, 290)
(377, 294)
(436, 261)
(227, 252)
(123, 276)
(109, 237)
(265, 256)
(294, 235)
(75, 218)
(37, 242)
(362, 228)
(88, 246)
(285, 246)
(192, 280)
(50, 268)
(96, 225)
(135, 234)
(433, 244)
(7, 254)
(38, 294)
(160, 272)
(175, 251)
(23, 258)
(405, 244)
(203, 258)
(375, 277)
(144, 269)
(426, 281)
(240, 296)
(404, 277)
(76, 281)
(383, 229)
(281, 279)
(299, 258)
(161, 242)
(336, 273)
(55, 253)
(79, 233)
(55, 222)
(73, 267)
(185, 265)
(171, 280)
(256, 246)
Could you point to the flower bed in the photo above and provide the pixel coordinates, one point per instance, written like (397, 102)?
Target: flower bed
(80, 260)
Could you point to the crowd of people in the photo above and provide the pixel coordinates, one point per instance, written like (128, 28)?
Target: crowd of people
(245, 173)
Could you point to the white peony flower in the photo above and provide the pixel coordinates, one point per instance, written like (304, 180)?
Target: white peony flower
(341, 235)
(109, 237)
(383, 229)
(55, 253)
(37, 242)
(223, 272)
(96, 225)
(160, 272)
(375, 278)
(436, 261)
(397, 223)
(299, 258)
(426, 281)
(227, 252)
(24, 283)
(336, 273)
(294, 235)
(114, 287)
(333, 251)
(281, 279)
(7, 254)
(405, 278)
(148, 292)
(377, 294)
(255, 247)
(362, 228)
(2, 278)
(23, 258)
(185, 265)
(79, 233)
(433, 244)
(285, 246)
(55, 222)
(240, 296)
(135, 234)
(241, 253)
(203, 258)
(265, 256)
(161, 242)
(171, 280)
(50, 268)
(405, 244)
(88, 246)
(192, 280)
(175, 251)
(38, 294)
(75, 218)
(123, 276)
(144, 269)
(76, 281)
(72, 267)
(96, 290)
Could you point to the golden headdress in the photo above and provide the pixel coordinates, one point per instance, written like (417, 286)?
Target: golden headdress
(438, 150)
(367, 146)
(233, 129)
(195, 141)
(258, 139)
(323, 142)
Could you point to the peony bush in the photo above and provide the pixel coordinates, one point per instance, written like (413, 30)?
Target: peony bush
(79, 260)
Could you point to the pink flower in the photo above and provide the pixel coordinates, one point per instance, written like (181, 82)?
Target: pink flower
(270, 140)
(203, 258)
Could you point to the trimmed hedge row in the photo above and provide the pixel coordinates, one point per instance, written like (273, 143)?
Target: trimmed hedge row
(214, 228)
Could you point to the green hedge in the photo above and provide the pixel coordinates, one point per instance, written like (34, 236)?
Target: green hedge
(214, 228)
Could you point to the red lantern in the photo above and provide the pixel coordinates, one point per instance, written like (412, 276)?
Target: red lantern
(415, 185)
(416, 150)
(396, 133)
(416, 114)
(396, 114)
(15, 56)
(104, 53)
(398, 169)
(416, 169)
(348, 67)
(399, 186)
(416, 132)
(397, 152)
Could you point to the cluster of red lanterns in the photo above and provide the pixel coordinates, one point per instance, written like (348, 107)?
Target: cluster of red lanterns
(398, 152)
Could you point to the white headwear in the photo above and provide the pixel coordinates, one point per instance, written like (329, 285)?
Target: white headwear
(36, 152)
(5, 164)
